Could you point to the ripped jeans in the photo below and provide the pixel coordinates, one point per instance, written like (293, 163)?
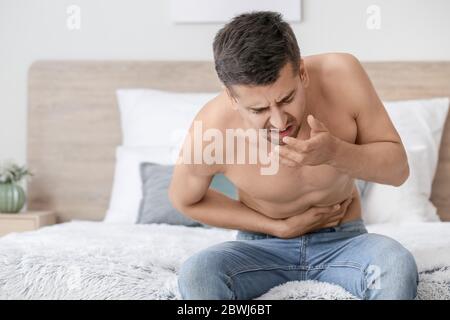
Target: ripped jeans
(369, 266)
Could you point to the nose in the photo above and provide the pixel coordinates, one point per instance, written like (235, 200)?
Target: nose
(277, 118)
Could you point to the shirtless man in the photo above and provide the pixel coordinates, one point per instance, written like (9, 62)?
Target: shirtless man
(304, 222)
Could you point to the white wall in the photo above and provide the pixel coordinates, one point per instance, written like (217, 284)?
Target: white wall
(141, 29)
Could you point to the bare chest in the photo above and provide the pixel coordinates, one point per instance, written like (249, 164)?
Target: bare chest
(297, 187)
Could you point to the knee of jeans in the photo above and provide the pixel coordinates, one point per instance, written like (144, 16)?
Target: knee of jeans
(393, 272)
(199, 273)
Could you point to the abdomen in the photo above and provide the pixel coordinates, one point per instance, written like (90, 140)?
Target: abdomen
(317, 198)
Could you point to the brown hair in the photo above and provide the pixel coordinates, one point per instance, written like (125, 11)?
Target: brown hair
(253, 47)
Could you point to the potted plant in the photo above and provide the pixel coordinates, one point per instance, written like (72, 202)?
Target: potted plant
(12, 196)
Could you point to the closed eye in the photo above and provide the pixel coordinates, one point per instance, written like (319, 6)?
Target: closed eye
(287, 101)
(257, 111)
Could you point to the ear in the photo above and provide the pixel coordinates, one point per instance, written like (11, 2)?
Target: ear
(304, 77)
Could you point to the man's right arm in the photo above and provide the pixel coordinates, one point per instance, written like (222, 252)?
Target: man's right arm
(191, 195)
(189, 192)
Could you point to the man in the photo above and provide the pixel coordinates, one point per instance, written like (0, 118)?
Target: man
(304, 222)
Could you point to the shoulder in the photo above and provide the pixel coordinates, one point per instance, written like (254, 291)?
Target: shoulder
(336, 65)
(215, 114)
(214, 117)
(343, 80)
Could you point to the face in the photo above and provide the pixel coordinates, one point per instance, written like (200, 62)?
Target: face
(279, 108)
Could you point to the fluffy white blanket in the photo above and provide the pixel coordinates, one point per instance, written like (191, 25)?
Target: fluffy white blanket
(94, 260)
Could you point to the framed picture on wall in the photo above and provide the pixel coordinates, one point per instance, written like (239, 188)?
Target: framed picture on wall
(219, 11)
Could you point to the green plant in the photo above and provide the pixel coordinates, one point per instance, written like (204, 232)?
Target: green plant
(11, 172)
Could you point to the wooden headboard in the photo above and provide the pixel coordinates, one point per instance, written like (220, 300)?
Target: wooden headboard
(74, 128)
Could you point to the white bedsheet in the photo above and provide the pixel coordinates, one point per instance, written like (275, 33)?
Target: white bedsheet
(94, 260)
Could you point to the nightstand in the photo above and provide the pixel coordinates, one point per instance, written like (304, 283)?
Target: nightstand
(25, 221)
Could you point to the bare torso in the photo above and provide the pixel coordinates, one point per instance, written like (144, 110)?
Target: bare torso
(294, 190)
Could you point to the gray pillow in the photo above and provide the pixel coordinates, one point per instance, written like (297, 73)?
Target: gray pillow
(155, 205)
(222, 184)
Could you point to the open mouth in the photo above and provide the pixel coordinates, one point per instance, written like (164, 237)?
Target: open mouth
(278, 135)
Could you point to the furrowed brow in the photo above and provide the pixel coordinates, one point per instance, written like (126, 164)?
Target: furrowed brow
(286, 97)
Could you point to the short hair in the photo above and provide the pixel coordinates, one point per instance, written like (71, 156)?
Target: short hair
(253, 47)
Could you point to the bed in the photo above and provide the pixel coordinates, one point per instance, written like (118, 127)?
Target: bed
(73, 129)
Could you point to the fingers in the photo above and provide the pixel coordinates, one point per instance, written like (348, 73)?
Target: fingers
(303, 145)
(327, 224)
(333, 218)
(326, 210)
(296, 144)
(289, 154)
(346, 202)
(337, 215)
(331, 213)
(298, 150)
(340, 207)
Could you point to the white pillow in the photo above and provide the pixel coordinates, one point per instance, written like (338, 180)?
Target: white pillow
(127, 185)
(420, 124)
(157, 118)
(154, 125)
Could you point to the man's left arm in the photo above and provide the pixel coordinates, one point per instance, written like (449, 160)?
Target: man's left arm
(378, 154)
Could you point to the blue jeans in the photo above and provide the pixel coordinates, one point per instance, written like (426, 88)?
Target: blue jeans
(370, 266)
